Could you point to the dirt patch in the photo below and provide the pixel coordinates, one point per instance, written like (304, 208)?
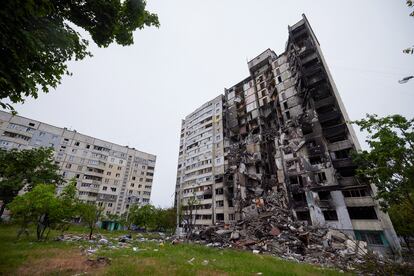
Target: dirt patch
(61, 262)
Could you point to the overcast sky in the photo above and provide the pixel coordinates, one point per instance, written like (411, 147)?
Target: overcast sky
(137, 95)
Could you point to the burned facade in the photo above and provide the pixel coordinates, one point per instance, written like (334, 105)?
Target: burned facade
(286, 132)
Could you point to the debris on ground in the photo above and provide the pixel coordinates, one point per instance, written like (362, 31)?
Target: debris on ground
(98, 261)
(267, 226)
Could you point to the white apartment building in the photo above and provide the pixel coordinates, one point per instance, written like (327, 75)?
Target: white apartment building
(109, 174)
(201, 165)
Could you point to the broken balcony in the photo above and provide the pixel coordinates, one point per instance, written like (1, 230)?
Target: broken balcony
(328, 101)
(332, 115)
(348, 181)
(343, 163)
(335, 133)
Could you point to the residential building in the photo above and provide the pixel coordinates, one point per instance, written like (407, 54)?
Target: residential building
(201, 164)
(286, 129)
(111, 175)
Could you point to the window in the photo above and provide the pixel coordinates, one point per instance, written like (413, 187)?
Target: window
(219, 203)
(111, 166)
(106, 180)
(320, 177)
(285, 105)
(119, 168)
(108, 173)
(279, 79)
(133, 178)
(80, 168)
(104, 188)
(76, 143)
(356, 193)
(109, 204)
(330, 215)
(143, 167)
(88, 146)
(324, 195)
(132, 184)
(303, 215)
(362, 213)
(113, 189)
(31, 124)
(219, 191)
(315, 160)
(78, 176)
(371, 237)
(117, 175)
(232, 217)
(130, 192)
(220, 217)
(68, 166)
(287, 113)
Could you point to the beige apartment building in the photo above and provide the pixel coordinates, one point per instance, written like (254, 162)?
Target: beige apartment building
(109, 174)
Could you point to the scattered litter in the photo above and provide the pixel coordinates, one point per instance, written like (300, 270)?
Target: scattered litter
(190, 261)
(205, 262)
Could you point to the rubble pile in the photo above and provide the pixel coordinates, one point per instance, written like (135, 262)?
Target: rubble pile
(268, 228)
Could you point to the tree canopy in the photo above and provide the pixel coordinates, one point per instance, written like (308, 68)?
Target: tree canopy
(25, 167)
(37, 38)
(44, 208)
(389, 163)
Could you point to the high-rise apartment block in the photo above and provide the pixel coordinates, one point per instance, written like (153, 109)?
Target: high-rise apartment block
(284, 128)
(111, 175)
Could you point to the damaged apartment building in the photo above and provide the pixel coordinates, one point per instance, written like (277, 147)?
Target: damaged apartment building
(284, 129)
(111, 175)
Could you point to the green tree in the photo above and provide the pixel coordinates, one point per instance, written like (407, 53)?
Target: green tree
(165, 219)
(37, 38)
(40, 206)
(25, 168)
(69, 205)
(144, 216)
(402, 216)
(90, 215)
(389, 163)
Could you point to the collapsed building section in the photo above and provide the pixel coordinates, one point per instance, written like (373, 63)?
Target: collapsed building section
(286, 133)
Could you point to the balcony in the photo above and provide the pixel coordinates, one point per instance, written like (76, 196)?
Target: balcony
(359, 201)
(331, 132)
(343, 163)
(312, 56)
(348, 181)
(329, 116)
(324, 102)
(325, 204)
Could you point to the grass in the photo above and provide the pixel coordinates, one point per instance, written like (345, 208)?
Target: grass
(29, 257)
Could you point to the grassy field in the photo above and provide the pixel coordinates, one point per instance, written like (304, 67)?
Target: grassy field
(29, 257)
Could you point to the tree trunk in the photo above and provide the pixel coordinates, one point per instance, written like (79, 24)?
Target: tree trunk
(407, 243)
(90, 232)
(3, 206)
